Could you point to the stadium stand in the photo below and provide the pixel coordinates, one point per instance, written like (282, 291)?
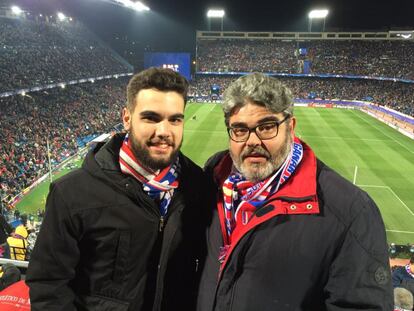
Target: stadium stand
(360, 58)
(64, 116)
(53, 62)
(36, 53)
(396, 95)
(374, 67)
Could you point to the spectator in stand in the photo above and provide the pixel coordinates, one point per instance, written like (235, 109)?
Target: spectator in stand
(9, 274)
(17, 244)
(288, 233)
(404, 276)
(125, 232)
(403, 299)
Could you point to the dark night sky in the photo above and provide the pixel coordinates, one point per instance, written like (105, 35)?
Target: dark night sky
(171, 24)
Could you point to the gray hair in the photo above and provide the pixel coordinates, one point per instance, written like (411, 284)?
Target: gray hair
(403, 298)
(260, 89)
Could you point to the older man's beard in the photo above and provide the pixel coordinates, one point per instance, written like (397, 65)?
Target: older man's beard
(259, 171)
(141, 152)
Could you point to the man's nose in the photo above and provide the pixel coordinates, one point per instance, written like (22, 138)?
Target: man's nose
(162, 129)
(253, 140)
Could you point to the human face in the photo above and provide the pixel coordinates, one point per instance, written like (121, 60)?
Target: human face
(155, 127)
(257, 159)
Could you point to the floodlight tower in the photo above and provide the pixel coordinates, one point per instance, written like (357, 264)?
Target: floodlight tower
(61, 16)
(215, 13)
(16, 10)
(317, 14)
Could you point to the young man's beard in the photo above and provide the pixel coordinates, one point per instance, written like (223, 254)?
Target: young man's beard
(142, 154)
(259, 172)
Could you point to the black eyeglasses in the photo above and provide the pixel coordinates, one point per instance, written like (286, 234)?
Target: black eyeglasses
(265, 130)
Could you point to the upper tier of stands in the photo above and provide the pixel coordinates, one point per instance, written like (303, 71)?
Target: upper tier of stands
(373, 57)
(36, 53)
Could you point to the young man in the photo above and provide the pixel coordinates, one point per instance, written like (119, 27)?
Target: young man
(124, 232)
(289, 233)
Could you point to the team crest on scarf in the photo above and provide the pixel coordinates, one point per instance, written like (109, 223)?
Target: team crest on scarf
(242, 197)
(158, 185)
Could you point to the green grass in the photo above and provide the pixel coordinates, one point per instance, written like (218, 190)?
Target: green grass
(343, 139)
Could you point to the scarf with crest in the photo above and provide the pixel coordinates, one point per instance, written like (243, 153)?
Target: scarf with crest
(242, 197)
(158, 185)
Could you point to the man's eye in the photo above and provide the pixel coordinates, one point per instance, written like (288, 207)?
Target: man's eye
(176, 121)
(239, 131)
(267, 127)
(150, 119)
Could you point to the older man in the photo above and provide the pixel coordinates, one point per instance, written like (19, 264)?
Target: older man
(125, 231)
(288, 233)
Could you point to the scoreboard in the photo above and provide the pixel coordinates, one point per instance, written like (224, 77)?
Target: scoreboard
(179, 62)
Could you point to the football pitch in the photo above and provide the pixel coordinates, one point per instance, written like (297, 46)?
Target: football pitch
(365, 151)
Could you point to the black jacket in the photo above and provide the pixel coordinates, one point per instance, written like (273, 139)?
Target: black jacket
(103, 246)
(323, 250)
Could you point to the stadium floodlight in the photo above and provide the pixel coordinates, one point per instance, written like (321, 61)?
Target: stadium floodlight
(317, 14)
(16, 10)
(215, 13)
(61, 16)
(137, 6)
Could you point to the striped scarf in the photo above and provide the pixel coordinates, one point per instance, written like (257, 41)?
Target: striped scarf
(242, 197)
(408, 269)
(158, 185)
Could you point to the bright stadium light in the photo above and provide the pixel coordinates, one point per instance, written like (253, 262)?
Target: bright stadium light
(137, 6)
(215, 13)
(317, 14)
(61, 16)
(16, 10)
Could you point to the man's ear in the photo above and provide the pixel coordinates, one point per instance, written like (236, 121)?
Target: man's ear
(126, 118)
(292, 126)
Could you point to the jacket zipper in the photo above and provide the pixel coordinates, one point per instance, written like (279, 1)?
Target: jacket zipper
(161, 224)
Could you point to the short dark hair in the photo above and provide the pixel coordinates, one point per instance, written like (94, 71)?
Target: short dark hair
(412, 259)
(156, 78)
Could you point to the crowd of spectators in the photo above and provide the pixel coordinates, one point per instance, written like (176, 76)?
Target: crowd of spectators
(247, 56)
(61, 116)
(379, 58)
(35, 53)
(363, 58)
(396, 95)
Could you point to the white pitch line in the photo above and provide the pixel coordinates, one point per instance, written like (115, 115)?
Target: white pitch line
(392, 191)
(372, 186)
(399, 231)
(408, 209)
(355, 174)
(374, 126)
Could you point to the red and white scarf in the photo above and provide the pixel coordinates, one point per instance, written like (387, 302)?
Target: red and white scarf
(242, 197)
(158, 185)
